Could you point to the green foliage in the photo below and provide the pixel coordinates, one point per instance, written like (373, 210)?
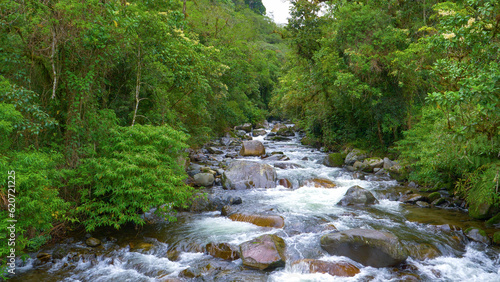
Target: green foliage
(38, 205)
(75, 74)
(136, 170)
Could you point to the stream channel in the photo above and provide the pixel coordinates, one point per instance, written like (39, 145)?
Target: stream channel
(165, 251)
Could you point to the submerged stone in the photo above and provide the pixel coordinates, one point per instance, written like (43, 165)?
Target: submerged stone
(366, 246)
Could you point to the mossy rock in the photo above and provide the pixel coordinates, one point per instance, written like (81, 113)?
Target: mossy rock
(477, 235)
(334, 160)
(494, 220)
(480, 210)
(496, 238)
(434, 196)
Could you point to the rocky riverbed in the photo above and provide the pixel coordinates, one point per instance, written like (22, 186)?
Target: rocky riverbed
(277, 210)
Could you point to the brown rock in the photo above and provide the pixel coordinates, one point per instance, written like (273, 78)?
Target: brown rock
(319, 183)
(275, 221)
(343, 269)
(285, 183)
(222, 250)
(265, 252)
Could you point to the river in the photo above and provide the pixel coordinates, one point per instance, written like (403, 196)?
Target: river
(163, 251)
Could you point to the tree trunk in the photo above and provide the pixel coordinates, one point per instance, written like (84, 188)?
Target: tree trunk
(137, 85)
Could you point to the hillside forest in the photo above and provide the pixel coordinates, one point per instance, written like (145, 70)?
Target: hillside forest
(101, 100)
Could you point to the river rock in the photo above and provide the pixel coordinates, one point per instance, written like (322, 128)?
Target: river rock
(287, 165)
(359, 166)
(480, 210)
(355, 155)
(222, 250)
(423, 251)
(387, 163)
(265, 252)
(211, 202)
(422, 204)
(245, 175)
(357, 196)
(240, 133)
(259, 132)
(372, 163)
(204, 179)
(252, 148)
(493, 221)
(319, 183)
(334, 160)
(93, 242)
(368, 247)
(285, 183)
(277, 127)
(44, 257)
(215, 151)
(286, 131)
(397, 172)
(477, 235)
(343, 269)
(247, 127)
(438, 202)
(262, 124)
(413, 198)
(274, 221)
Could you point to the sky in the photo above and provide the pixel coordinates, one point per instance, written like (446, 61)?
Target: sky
(277, 10)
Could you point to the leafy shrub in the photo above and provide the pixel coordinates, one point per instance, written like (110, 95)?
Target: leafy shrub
(136, 170)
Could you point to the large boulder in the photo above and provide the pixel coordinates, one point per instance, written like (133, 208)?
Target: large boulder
(265, 252)
(245, 175)
(480, 210)
(252, 148)
(355, 155)
(368, 247)
(274, 221)
(357, 196)
(204, 179)
(343, 269)
(334, 160)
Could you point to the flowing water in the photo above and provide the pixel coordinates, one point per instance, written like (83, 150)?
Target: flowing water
(161, 251)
